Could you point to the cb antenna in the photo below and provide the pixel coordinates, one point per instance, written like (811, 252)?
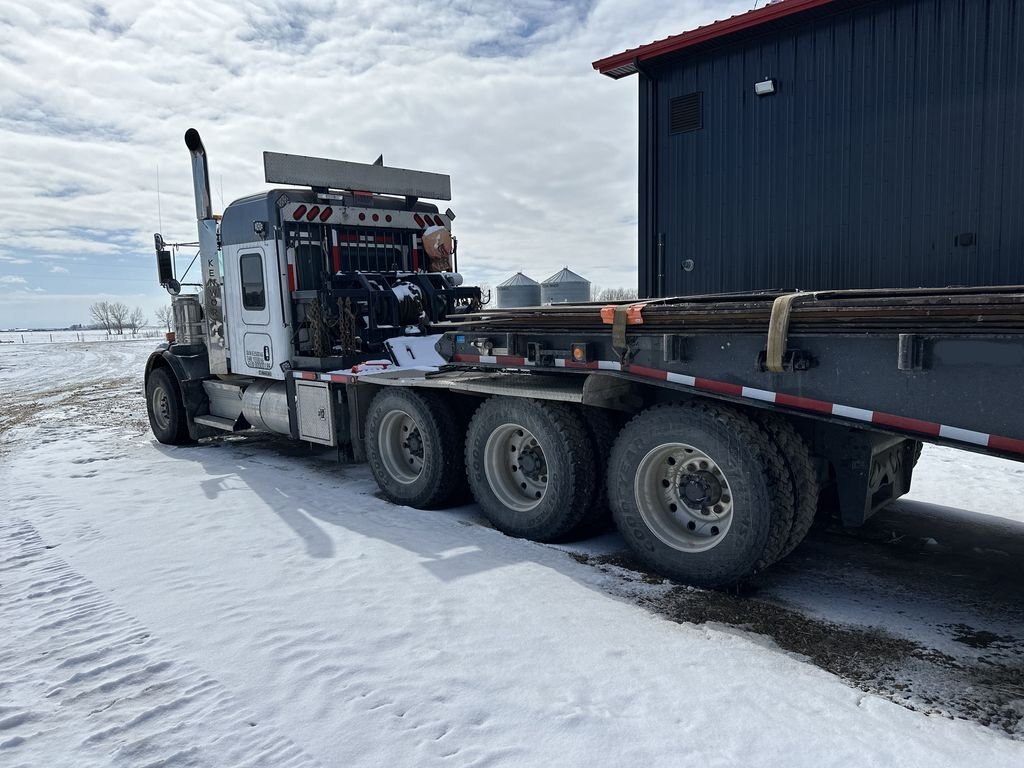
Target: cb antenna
(159, 215)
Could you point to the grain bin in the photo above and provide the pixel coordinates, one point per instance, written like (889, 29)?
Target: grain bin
(519, 291)
(565, 287)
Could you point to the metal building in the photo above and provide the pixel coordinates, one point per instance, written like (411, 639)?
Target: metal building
(822, 144)
(565, 287)
(519, 291)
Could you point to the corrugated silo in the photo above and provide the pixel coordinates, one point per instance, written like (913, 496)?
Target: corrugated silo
(519, 291)
(565, 287)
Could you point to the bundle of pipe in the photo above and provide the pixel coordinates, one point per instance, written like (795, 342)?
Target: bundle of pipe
(951, 310)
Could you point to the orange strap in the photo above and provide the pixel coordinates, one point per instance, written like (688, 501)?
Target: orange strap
(633, 313)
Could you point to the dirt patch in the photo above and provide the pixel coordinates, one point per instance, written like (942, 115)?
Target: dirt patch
(108, 402)
(988, 690)
(981, 638)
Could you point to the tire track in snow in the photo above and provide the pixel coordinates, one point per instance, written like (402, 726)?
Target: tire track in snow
(81, 679)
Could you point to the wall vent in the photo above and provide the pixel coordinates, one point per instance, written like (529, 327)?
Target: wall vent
(686, 113)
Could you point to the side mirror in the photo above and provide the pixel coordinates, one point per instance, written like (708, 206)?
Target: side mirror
(164, 262)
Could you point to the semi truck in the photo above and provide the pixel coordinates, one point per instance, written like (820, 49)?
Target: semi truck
(710, 429)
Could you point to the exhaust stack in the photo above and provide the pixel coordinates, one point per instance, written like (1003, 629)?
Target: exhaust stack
(200, 174)
(213, 280)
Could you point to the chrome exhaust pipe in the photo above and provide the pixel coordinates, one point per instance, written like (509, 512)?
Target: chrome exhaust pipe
(200, 174)
(213, 280)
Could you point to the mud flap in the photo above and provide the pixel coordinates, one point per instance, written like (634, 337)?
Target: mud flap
(871, 469)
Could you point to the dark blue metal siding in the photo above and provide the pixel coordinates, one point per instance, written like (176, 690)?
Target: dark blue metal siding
(897, 126)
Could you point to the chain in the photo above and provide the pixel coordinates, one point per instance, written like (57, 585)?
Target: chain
(319, 329)
(347, 329)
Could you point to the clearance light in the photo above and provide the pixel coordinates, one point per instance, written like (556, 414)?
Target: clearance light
(299, 212)
(579, 353)
(325, 214)
(313, 213)
(765, 87)
(419, 220)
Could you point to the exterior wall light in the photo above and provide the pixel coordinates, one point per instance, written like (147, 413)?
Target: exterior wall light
(765, 87)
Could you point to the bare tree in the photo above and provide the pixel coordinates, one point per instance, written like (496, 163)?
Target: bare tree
(165, 315)
(100, 312)
(119, 314)
(136, 320)
(617, 294)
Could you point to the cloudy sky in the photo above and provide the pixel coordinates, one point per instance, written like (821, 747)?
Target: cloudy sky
(96, 96)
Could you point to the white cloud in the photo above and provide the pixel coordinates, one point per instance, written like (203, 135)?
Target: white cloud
(12, 280)
(541, 149)
(58, 270)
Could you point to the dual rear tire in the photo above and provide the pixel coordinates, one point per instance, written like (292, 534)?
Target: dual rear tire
(530, 465)
(701, 493)
(414, 447)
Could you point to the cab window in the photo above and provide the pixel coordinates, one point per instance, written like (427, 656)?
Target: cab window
(254, 295)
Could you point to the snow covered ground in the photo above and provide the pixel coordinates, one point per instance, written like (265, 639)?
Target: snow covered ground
(248, 602)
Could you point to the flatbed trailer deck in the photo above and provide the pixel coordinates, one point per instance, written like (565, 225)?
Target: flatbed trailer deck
(942, 366)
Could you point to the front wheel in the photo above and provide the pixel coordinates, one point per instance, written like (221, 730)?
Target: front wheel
(695, 490)
(165, 409)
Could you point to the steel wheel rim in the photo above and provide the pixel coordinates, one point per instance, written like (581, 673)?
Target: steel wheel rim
(515, 467)
(160, 405)
(401, 446)
(684, 497)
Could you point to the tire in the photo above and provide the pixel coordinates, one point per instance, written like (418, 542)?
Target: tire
(414, 448)
(531, 467)
(165, 409)
(602, 427)
(713, 523)
(804, 478)
(463, 407)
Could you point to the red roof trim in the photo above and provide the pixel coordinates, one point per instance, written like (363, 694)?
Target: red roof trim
(622, 64)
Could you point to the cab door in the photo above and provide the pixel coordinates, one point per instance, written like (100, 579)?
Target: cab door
(258, 336)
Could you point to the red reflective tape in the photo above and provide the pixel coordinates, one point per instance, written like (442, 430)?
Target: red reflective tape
(1005, 444)
(720, 387)
(593, 364)
(650, 373)
(507, 360)
(291, 277)
(339, 379)
(911, 425)
(804, 403)
(306, 375)
(459, 358)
